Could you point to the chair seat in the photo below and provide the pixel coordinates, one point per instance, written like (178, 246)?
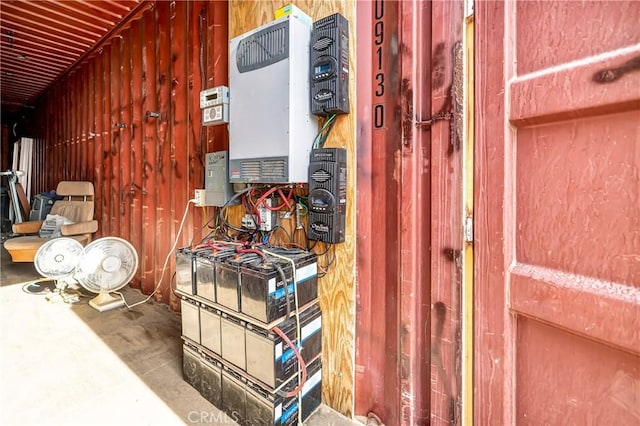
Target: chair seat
(23, 249)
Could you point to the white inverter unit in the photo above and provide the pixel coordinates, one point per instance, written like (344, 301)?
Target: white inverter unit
(271, 128)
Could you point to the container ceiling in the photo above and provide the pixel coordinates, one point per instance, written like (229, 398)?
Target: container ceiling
(42, 40)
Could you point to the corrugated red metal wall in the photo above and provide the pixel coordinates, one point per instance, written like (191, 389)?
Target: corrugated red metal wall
(408, 344)
(128, 120)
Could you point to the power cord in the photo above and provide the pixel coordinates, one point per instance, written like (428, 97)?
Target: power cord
(166, 261)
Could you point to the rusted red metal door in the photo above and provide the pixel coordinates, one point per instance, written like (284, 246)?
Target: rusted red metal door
(557, 227)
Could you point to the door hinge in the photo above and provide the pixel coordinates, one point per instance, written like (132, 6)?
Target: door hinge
(468, 229)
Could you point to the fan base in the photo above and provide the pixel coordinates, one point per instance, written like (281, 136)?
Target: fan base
(105, 302)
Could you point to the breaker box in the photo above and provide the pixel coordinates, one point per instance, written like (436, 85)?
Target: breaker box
(271, 127)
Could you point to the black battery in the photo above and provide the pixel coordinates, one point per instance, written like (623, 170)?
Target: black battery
(264, 295)
(191, 369)
(266, 408)
(232, 332)
(211, 380)
(190, 312)
(210, 328)
(185, 271)
(271, 360)
(205, 275)
(234, 396)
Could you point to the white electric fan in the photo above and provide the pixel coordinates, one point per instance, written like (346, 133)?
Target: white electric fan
(57, 260)
(106, 265)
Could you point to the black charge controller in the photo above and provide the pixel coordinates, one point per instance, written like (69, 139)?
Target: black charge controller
(327, 194)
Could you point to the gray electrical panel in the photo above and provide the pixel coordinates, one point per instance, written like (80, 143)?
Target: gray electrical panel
(271, 128)
(218, 190)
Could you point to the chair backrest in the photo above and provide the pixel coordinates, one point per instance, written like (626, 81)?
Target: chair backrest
(77, 205)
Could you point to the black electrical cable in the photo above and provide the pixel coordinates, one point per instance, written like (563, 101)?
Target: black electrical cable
(286, 288)
(215, 214)
(225, 205)
(278, 227)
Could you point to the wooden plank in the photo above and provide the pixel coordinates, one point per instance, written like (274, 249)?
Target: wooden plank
(136, 235)
(150, 130)
(337, 289)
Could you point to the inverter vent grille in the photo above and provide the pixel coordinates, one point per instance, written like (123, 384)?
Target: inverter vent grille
(322, 43)
(320, 176)
(274, 169)
(263, 48)
(251, 170)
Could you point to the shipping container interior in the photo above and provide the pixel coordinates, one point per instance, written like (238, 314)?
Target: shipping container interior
(292, 187)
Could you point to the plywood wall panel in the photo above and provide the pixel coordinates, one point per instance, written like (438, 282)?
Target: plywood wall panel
(336, 289)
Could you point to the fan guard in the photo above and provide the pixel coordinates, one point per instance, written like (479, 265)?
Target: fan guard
(106, 264)
(58, 258)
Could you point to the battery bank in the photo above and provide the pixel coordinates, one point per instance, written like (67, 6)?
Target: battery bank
(264, 295)
(210, 328)
(185, 271)
(205, 276)
(234, 396)
(191, 369)
(266, 408)
(190, 313)
(271, 360)
(232, 332)
(211, 380)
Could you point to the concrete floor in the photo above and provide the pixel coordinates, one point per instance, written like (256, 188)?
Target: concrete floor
(69, 364)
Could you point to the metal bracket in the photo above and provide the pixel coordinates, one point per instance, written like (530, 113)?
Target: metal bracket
(435, 117)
